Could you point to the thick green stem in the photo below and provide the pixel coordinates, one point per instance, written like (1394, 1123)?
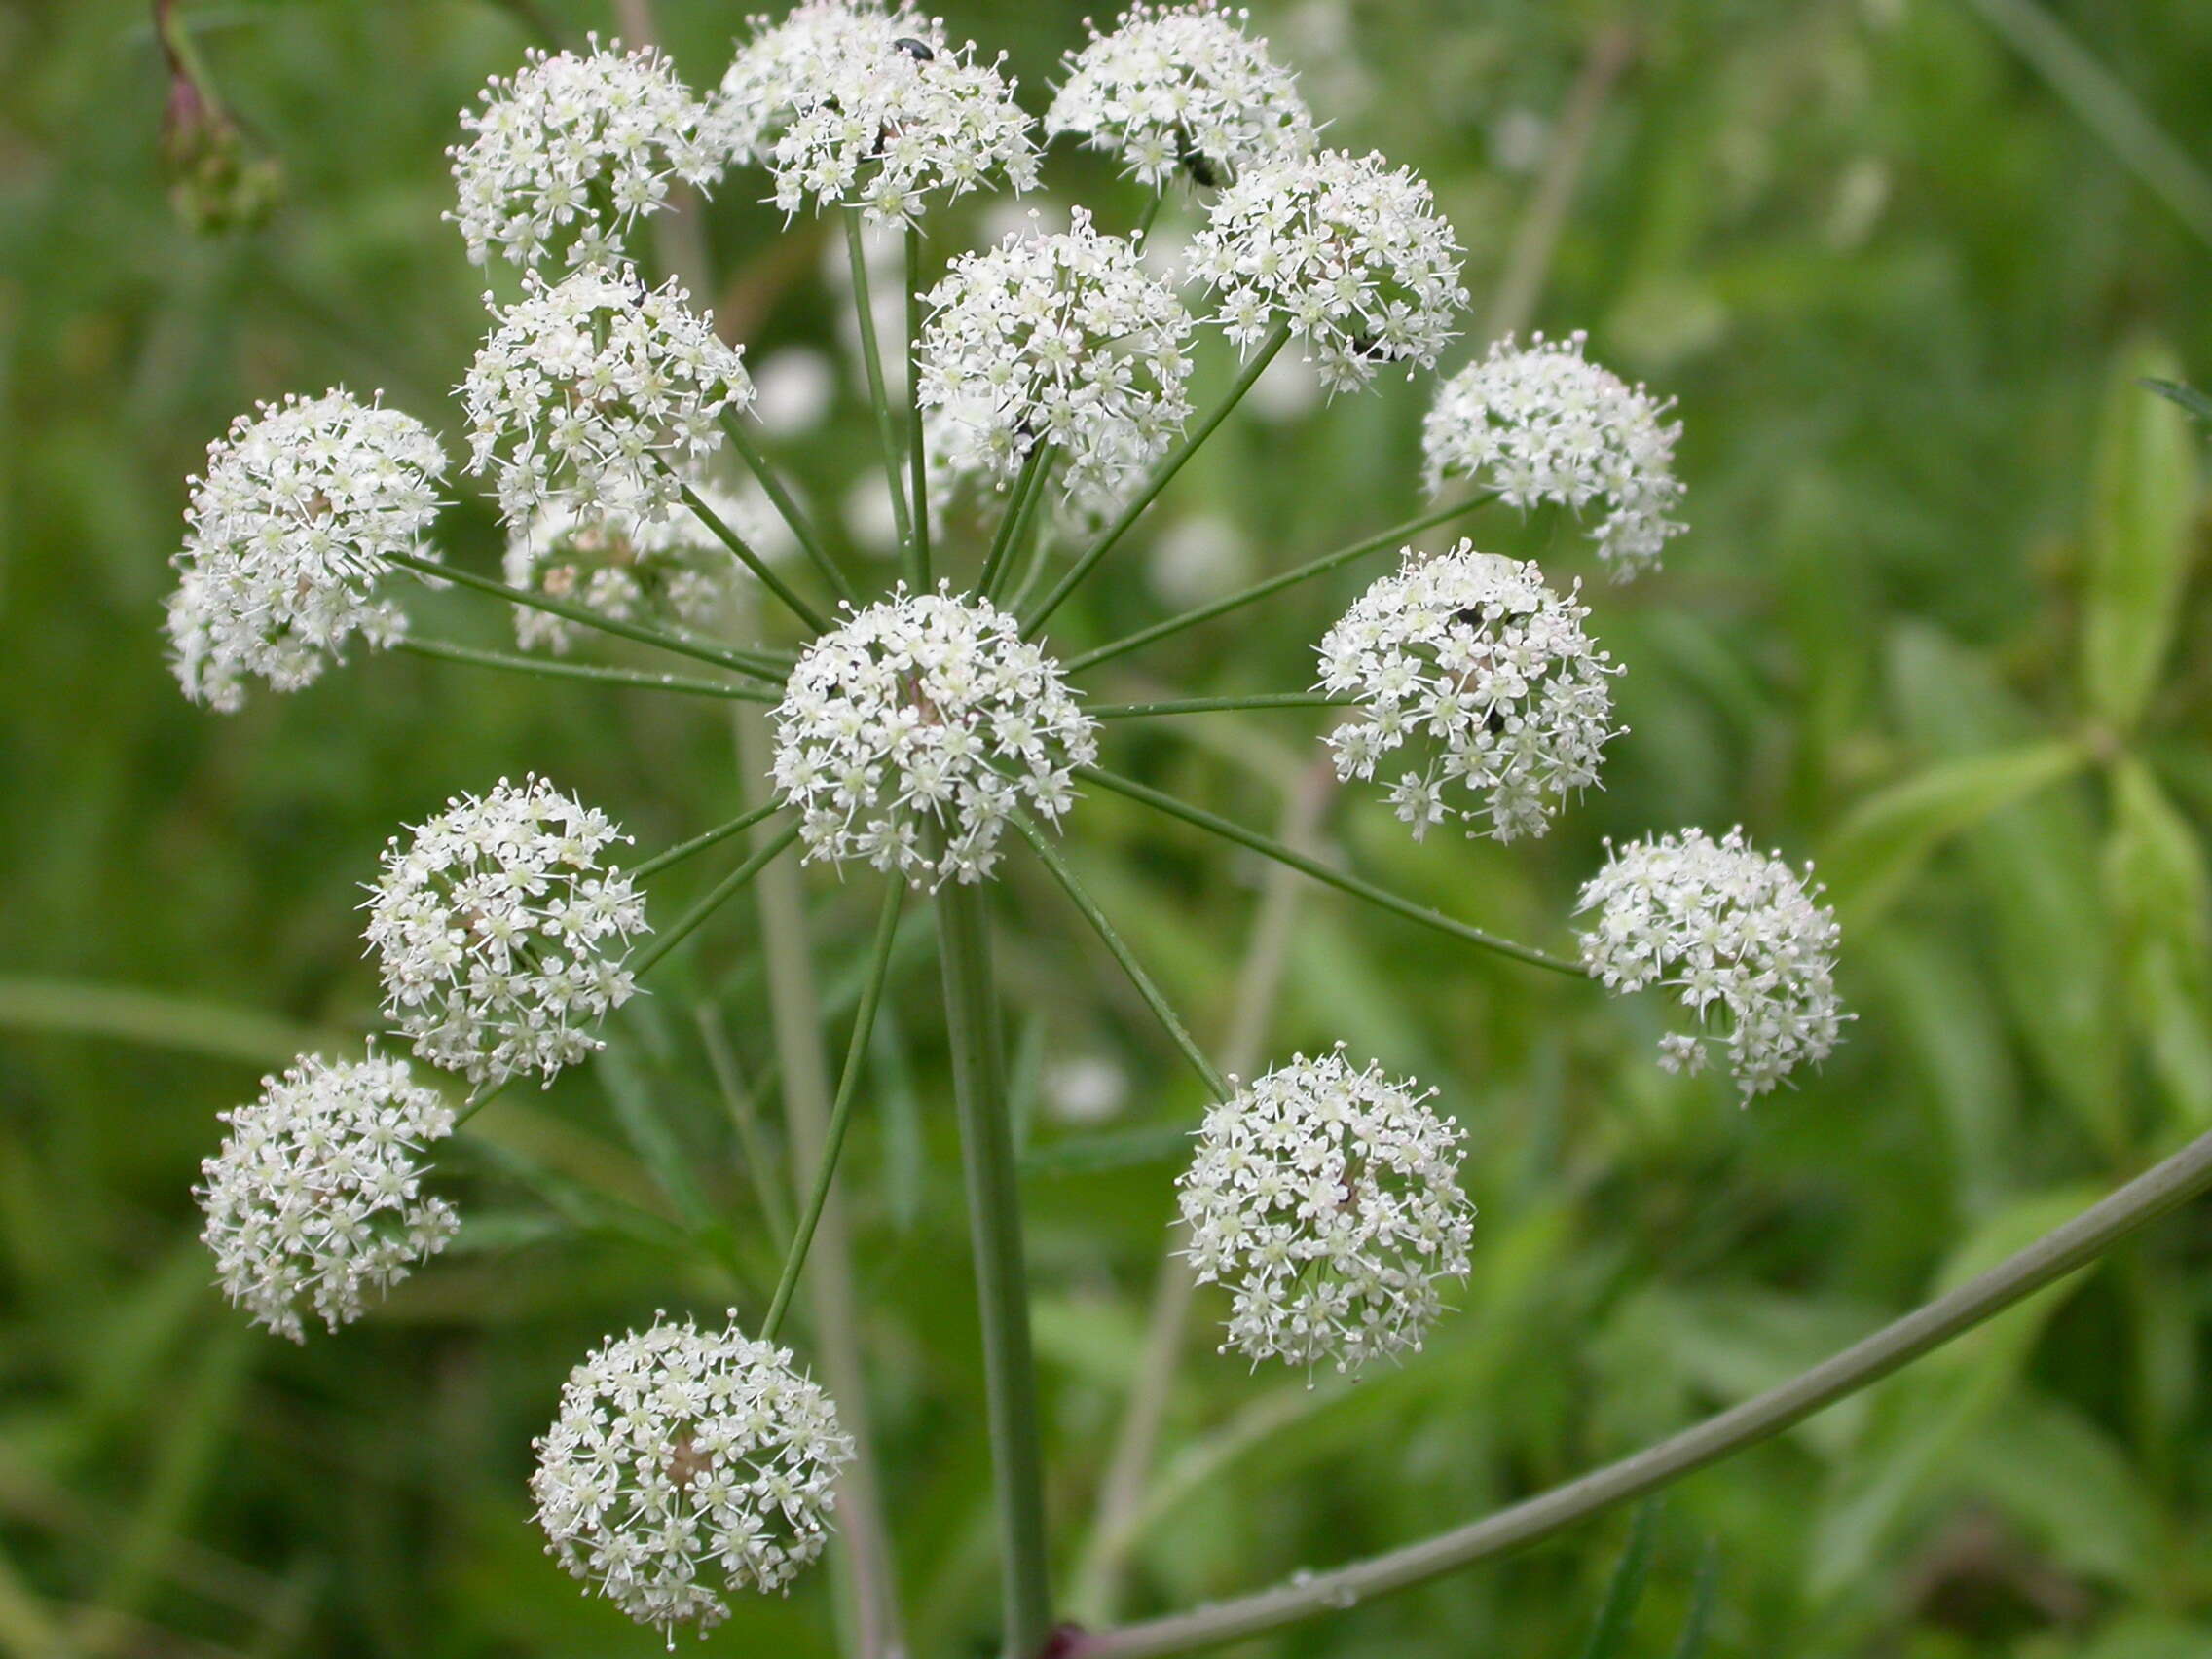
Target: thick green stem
(1320, 872)
(1160, 480)
(2157, 1192)
(1154, 999)
(715, 897)
(548, 667)
(1394, 535)
(1217, 704)
(753, 561)
(786, 505)
(1001, 1286)
(917, 452)
(701, 651)
(871, 360)
(841, 1110)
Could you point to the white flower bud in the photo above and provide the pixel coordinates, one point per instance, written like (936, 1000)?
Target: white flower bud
(911, 731)
(315, 1202)
(1327, 1200)
(1736, 935)
(287, 537)
(1180, 86)
(1351, 255)
(685, 1464)
(501, 931)
(1544, 423)
(1477, 680)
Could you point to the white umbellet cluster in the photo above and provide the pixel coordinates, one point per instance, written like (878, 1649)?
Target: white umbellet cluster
(1327, 1200)
(1061, 339)
(501, 931)
(1350, 253)
(1542, 423)
(597, 394)
(1180, 86)
(911, 732)
(287, 536)
(583, 143)
(851, 103)
(315, 1202)
(1486, 679)
(1736, 935)
(629, 569)
(684, 1464)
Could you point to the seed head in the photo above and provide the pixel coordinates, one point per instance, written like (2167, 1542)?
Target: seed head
(315, 1202)
(1328, 1201)
(1349, 253)
(1542, 423)
(287, 537)
(685, 1464)
(597, 393)
(1739, 937)
(1180, 86)
(1476, 680)
(574, 150)
(501, 931)
(911, 732)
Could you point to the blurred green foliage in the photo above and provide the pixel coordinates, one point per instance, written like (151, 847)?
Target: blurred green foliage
(1935, 624)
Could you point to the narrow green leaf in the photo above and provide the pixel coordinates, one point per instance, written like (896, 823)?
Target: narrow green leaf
(2159, 896)
(1626, 1588)
(1887, 838)
(1699, 1623)
(2141, 539)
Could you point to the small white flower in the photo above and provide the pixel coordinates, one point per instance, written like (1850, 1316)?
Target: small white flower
(630, 569)
(1485, 679)
(1063, 340)
(1736, 935)
(1542, 423)
(287, 536)
(596, 393)
(501, 931)
(684, 1465)
(1327, 1200)
(1351, 255)
(583, 145)
(854, 102)
(315, 1202)
(911, 732)
(1180, 86)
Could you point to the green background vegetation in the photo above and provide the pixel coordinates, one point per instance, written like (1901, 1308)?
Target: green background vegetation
(1932, 625)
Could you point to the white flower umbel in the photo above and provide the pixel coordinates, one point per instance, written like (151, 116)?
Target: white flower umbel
(501, 930)
(628, 568)
(287, 536)
(685, 1464)
(1348, 253)
(1063, 340)
(911, 731)
(1542, 423)
(1736, 933)
(315, 1202)
(1481, 692)
(1180, 86)
(574, 150)
(594, 393)
(854, 104)
(1327, 1200)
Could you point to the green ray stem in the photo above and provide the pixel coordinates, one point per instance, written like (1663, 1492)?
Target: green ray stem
(786, 505)
(1028, 485)
(917, 449)
(714, 899)
(549, 668)
(751, 561)
(682, 850)
(1217, 704)
(871, 360)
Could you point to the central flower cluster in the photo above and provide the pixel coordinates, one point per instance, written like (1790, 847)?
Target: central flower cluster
(684, 1463)
(501, 931)
(911, 733)
(1327, 1199)
(601, 394)
(1063, 340)
(1485, 676)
